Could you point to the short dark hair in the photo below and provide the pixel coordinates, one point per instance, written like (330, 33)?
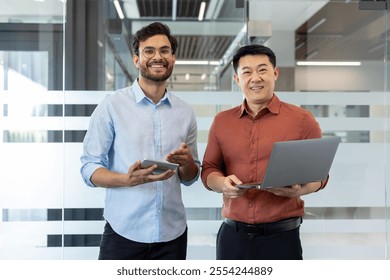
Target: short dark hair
(253, 50)
(155, 28)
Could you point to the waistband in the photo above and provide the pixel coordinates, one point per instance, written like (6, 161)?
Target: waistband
(265, 228)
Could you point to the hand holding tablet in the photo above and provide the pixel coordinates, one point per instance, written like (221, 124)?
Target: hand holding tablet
(162, 166)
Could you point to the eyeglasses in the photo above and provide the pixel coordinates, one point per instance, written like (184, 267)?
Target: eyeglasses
(149, 52)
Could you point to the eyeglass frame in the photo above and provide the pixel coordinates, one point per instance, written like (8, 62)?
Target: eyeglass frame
(171, 53)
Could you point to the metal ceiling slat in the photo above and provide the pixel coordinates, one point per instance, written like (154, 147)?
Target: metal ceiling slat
(185, 48)
(219, 47)
(186, 6)
(193, 47)
(157, 8)
(202, 47)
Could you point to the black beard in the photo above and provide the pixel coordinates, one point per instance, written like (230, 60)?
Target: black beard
(156, 78)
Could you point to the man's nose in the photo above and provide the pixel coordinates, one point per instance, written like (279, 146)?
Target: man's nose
(257, 76)
(157, 54)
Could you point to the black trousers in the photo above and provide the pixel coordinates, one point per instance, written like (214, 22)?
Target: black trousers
(116, 247)
(236, 245)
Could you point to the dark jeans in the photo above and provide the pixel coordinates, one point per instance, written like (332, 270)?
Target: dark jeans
(233, 245)
(115, 247)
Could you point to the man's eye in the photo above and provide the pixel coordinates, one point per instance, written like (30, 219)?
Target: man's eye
(149, 51)
(165, 51)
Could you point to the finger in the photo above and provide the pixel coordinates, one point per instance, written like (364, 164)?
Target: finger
(136, 165)
(296, 187)
(233, 180)
(149, 169)
(183, 150)
(162, 176)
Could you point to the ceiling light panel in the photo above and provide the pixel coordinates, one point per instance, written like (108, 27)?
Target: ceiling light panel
(185, 9)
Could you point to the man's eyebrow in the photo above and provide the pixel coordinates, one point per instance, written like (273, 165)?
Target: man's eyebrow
(248, 67)
(164, 46)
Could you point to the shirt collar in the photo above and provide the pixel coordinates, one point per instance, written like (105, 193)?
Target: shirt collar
(273, 107)
(140, 95)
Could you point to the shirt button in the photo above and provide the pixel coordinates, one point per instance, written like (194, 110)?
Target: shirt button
(253, 141)
(252, 162)
(250, 205)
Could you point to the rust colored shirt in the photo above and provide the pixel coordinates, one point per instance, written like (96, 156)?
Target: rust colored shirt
(241, 145)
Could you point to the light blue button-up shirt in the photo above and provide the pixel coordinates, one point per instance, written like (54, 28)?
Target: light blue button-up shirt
(125, 127)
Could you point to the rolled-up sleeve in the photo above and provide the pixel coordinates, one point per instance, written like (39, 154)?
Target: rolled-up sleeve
(192, 138)
(97, 143)
(213, 158)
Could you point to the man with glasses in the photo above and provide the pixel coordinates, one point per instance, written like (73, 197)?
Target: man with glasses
(144, 212)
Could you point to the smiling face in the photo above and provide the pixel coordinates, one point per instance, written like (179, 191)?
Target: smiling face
(256, 77)
(156, 68)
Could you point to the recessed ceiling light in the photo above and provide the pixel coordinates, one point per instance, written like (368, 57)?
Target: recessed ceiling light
(118, 8)
(329, 63)
(202, 9)
(196, 62)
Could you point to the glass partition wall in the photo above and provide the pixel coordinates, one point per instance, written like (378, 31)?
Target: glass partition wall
(58, 59)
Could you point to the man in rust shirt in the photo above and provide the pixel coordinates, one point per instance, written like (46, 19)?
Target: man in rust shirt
(258, 224)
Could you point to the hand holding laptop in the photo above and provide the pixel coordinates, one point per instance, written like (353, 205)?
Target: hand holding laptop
(227, 186)
(295, 190)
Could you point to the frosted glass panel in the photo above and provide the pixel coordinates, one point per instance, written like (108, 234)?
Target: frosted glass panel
(35, 171)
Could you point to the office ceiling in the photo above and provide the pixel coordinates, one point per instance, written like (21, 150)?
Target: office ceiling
(342, 32)
(341, 25)
(344, 25)
(194, 46)
(324, 30)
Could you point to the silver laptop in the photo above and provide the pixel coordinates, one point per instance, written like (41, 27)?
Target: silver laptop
(298, 162)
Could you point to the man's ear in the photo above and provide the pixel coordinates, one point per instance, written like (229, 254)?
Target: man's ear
(237, 79)
(136, 60)
(276, 73)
